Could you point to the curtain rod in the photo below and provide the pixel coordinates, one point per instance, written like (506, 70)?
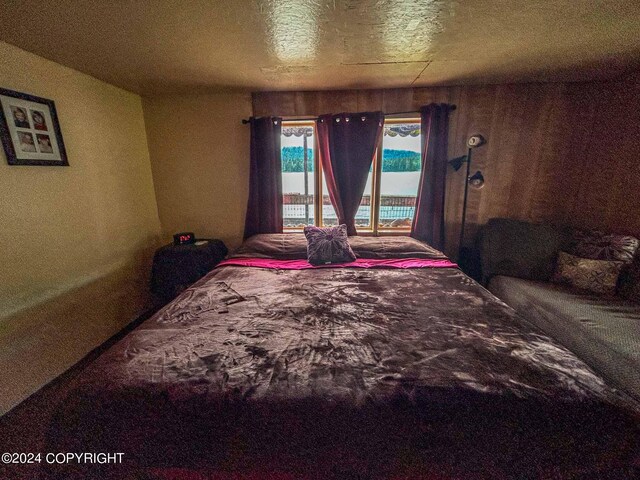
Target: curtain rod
(451, 108)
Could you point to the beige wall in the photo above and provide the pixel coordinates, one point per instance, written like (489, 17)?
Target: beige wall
(64, 229)
(200, 160)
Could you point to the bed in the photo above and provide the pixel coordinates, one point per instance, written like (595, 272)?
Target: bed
(398, 367)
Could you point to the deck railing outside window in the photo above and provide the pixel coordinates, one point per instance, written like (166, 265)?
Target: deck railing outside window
(395, 211)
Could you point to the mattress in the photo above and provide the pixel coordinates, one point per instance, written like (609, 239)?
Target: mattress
(343, 373)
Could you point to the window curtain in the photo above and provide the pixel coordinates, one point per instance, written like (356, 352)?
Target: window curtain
(428, 219)
(264, 209)
(347, 143)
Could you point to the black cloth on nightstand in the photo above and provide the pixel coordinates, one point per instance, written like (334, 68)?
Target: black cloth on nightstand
(175, 267)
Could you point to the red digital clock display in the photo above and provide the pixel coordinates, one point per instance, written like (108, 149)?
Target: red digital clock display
(183, 237)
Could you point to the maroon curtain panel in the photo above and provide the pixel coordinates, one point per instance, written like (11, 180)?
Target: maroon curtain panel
(428, 219)
(264, 209)
(347, 143)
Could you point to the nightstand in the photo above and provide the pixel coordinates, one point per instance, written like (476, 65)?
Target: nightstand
(175, 267)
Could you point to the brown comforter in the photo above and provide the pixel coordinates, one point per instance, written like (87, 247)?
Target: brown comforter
(345, 373)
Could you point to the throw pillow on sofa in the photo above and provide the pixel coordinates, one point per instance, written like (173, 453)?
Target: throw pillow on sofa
(597, 276)
(607, 246)
(597, 245)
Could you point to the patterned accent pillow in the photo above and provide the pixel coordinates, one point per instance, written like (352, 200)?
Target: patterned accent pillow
(604, 246)
(598, 276)
(328, 245)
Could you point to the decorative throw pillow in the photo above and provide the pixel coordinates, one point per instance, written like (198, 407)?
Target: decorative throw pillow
(604, 246)
(328, 245)
(598, 276)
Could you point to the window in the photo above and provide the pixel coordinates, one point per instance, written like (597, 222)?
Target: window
(389, 199)
(399, 174)
(298, 179)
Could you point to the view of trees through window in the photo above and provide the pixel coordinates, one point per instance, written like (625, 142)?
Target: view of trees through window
(400, 174)
(398, 168)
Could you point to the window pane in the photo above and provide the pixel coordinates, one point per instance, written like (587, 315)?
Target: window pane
(363, 215)
(329, 216)
(401, 165)
(297, 181)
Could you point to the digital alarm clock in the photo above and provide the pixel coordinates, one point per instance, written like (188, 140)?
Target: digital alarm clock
(184, 238)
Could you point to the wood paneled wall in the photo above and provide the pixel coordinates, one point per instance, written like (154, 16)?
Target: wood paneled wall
(601, 181)
(550, 155)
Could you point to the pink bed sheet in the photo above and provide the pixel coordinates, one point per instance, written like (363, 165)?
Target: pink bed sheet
(359, 263)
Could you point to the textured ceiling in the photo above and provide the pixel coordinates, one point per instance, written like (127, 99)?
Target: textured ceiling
(153, 46)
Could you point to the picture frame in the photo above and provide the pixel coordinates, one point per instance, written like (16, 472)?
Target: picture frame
(30, 130)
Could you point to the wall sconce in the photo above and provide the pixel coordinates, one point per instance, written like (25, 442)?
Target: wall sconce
(476, 180)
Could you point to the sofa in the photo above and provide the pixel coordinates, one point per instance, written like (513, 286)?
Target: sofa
(520, 265)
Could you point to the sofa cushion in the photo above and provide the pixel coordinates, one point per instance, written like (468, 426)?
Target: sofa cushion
(602, 331)
(597, 276)
(521, 249)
